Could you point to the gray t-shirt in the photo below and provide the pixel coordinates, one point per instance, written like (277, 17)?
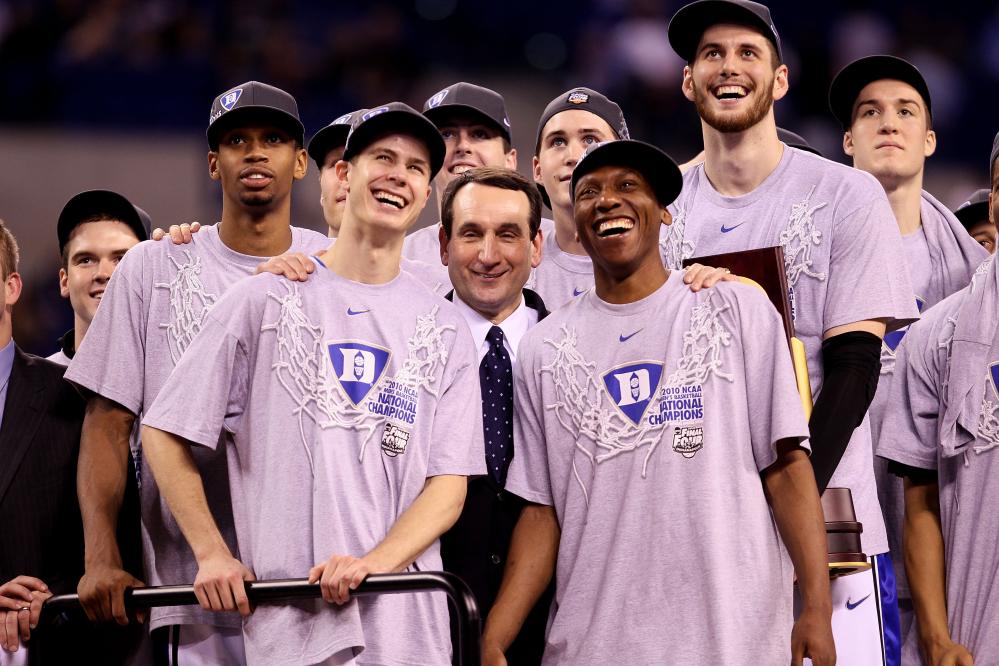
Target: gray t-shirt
(839, 238)
(561, 276)
(646, 426)
(336, 400)
(153, 307)
(926, 362)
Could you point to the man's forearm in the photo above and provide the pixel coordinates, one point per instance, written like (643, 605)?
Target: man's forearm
(431, 514)
(923, 545)
(179, 481)
(529, 569)
(790, 487)
(101, 476)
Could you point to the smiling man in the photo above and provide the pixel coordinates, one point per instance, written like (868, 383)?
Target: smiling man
(845, 267)
(626, 432)
(490, 241)
(350, 403)
(884, 106)
(154, 305)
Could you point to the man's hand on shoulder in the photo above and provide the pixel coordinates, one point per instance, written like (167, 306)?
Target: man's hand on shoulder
(699, 277)
(102, 593)
(340, 574)
(21, 601)
(180, 234)
(293, 265)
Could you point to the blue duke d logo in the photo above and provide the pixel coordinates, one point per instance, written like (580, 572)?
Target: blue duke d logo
(631, 387)
(358, 367)
(994, 377)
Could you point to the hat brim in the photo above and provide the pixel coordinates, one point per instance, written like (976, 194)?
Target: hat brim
(852, 79)
(398, 122)
(438, 113)
(103, 202)
(658, 169)
(247, 115)
(973, 214)
(325, 140)
(689, 23)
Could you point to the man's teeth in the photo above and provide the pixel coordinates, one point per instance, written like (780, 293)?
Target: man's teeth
(619, 225)
(730, 91)
(461, 168)
(256, 176)
(391, 199)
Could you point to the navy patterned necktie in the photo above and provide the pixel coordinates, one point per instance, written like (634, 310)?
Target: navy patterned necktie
(496, 378)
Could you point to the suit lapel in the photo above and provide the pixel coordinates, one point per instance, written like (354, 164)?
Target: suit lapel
(21, 417)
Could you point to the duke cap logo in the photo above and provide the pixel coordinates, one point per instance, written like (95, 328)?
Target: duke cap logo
(468, 98)
(254, 99)
(391, 118)
(332, 136)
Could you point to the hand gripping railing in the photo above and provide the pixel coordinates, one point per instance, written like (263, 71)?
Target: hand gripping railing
(461, 597)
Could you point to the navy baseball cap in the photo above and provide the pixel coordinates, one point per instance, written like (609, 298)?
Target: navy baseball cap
(332, 136)
(396, 118)
(584, 99)
(254, 99)
(101, 202)
(796, 141)
(689, 23)
(846, 85)
(975, 209)
(658, 169)
(469, 98)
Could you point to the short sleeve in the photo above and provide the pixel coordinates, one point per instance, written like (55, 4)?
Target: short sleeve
(528, 476)
(910, 431)
(773, 402)
(110, 361)
(457, 445)
(207, 391)
(868, 277)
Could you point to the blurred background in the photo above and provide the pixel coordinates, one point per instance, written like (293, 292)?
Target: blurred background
(116, 93)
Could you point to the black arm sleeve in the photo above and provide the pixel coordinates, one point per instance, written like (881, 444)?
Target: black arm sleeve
(917, 475)
(851, 364)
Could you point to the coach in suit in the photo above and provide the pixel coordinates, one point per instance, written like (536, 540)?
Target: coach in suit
(490, 240)
(42, 546)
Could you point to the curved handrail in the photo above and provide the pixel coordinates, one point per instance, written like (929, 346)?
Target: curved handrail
(469, 620)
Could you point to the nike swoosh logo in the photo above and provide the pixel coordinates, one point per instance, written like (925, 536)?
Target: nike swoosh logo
(725, 229)
(356, 312)
(577, 292)
(625, 338)
(850, 606)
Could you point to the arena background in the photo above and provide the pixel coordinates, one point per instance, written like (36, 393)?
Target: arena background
(115, 93)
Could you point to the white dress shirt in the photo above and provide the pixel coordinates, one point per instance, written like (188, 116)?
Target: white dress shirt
(514, 326)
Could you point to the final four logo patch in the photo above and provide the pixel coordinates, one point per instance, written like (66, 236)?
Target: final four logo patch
(374, 112)
(358, 367)
(230, 98)
(632, 387)
(578, 97)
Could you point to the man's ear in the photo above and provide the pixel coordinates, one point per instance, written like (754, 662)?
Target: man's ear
(342, 171)
(781, 83)
(12, 286)
(301, 163)
(510, 159)
(931, 143)
(687, 87)
(848, 143)
(536, 168)
(537, 245)
(665, 219)
(213, 165)
(63, 283)
(443, 240)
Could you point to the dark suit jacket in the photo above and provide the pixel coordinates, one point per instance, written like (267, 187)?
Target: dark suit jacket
(43, 534)
(476, 547)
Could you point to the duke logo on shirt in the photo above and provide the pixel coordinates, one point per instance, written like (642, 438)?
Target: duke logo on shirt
(358, 367)
(994, 376)
(631, 387)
